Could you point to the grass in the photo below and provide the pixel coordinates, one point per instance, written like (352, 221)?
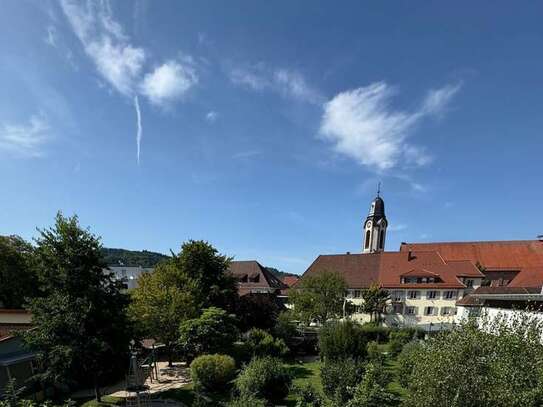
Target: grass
(304, 373)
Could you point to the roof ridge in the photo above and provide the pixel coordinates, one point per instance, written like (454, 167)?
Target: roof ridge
(473, 242)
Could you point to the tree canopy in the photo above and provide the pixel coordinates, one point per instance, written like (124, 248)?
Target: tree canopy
(17, 272)
(498, 363)
(319, 297)
(375, 301)
(81, 333)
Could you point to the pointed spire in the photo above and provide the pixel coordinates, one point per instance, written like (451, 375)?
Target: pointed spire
(378, 189)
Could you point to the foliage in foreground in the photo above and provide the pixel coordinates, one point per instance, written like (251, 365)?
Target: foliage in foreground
(211, 373)
(340, 377)
(265, 378)
(499, 363)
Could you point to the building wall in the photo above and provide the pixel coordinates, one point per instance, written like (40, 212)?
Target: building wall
(397, 314)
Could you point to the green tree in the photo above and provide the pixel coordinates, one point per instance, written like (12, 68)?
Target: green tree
(342, 340)
(214, 331)
(17, 272)
(371, 391)
(162, 300)
(212, 285)
(374, 301)
(81, 332)
(319, 297)
(498, 363)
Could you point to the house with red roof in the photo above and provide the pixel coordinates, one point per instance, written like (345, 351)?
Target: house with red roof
(254, 278)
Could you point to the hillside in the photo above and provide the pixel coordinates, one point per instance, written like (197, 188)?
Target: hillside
(132, 258)
(145, 258)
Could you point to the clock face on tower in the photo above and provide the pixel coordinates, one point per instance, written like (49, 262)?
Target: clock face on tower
(368, 225)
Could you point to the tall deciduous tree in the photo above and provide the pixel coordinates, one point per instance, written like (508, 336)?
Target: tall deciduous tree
(319, 297)
(81, 331)
(17, 272)
(162, 300)
(201, 263)
(375, 301)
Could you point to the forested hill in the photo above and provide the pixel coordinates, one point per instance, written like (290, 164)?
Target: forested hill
(280, 274)
(132, 258)
(145, 258)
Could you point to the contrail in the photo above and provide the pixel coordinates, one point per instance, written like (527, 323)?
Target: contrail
(138, 115)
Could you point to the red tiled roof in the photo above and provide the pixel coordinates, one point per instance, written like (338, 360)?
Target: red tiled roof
(251, 275)
(290, 280)
(387, 268)
(525, 256)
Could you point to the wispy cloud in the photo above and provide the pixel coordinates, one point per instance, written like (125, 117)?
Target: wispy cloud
(362, 125)
(116, 59)
(25, 139)
(211, 116)
(286, 82)
(51, 37)
(168, 82)
(121, 64)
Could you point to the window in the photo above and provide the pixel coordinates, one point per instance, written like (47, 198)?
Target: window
(469, 283)
(397, 308)
(411, 310)
(381, 239)
(432, 295)
(356, 294)
(430, 311)
(448, 311)
(449, 295)
(367, 243)
(397, 295)
(413, 295)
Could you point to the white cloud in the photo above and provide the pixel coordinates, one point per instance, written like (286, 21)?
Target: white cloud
(211, 116)
(283, 81)
(25, 139)
(168, 82)
(362, 125)
(118, 61)
(437, 99)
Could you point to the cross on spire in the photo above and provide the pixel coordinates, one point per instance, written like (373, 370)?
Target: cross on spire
(378, 188)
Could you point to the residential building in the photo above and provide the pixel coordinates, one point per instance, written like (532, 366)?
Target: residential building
(13, 320)
(254, 278)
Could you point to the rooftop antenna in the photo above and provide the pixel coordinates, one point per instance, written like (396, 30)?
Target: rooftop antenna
(378, 189)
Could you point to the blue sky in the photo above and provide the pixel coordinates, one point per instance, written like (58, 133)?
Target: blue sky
(264, 127)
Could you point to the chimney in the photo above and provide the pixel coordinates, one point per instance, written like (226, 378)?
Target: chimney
(540, 238)
(348, 252)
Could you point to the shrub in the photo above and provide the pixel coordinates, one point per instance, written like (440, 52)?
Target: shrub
(212, 372)
(340, 377)
(308, 396)
(247, 401)
(374, 353)
(375, 332)
(261, 343)
(264, 378)
(213, 332)
(285, 326)
(342, 340)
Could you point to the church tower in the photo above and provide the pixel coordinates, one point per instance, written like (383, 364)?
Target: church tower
(375, 227)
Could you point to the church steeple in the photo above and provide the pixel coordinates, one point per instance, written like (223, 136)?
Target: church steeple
(375, 226)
